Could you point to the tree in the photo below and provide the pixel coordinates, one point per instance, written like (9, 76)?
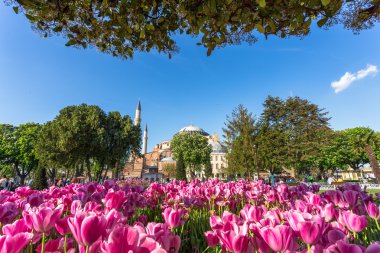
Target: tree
(180, 168)
(170, 170)
(84, 137)
(194, 150)
(121, 138)
(40, 179)
(122, 27)
(208, 170)
(301, 129)
(17, 148)
(239, 134)
(365, 139)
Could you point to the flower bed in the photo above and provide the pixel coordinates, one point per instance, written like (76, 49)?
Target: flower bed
(209, 216)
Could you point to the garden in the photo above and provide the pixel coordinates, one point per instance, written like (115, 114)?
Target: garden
(210, 216)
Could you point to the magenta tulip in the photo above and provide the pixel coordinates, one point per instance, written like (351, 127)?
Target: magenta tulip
(373, 210)
(373, 248)
(14, 244)
(173, 217)
(87, 229)
(355, 223)
(252, 213)
(44, 218)
(211, 239)
(278, 238)
(128, 239)
(310, 231)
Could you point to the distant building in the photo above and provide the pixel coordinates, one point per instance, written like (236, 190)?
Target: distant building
(159, 165)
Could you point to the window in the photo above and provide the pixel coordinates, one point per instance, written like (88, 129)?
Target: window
(217, 166)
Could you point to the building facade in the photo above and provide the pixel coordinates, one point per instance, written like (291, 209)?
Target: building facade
(159, 165)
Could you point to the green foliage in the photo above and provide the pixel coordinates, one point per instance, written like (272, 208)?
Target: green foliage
(180, 168)
(208, 170)
(193, 148)
(121, 28)
(85, 137)
(240, 133)
(298, 129)
(40, 179)
(365, 139)
(17, 147)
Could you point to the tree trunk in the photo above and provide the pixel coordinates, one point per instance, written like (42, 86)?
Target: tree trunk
(373, 161)
(88, 167)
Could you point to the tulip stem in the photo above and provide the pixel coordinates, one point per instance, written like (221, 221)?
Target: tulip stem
(65, 245)
(308, 248)
(206, 249)
(43, 243)
(377, 224)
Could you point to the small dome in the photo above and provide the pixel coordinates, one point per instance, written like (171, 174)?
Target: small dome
(193, 129)
(216, 147)
(167, 159)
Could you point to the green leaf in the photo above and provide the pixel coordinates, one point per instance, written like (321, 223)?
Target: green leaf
(325, 2)
(70, 43)
(260, 28)
(261, 3)
(142, 34)
(15, 9)
(322, 21)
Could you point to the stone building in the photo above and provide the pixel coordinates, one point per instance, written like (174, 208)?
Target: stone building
(159, 165)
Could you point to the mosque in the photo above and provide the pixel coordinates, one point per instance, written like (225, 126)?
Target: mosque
(159, 165)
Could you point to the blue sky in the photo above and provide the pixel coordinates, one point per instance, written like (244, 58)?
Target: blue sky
(40, 76)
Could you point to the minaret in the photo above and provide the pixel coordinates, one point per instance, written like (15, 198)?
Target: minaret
(145, 140)
(138, 114)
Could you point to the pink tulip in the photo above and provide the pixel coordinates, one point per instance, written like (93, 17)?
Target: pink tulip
(344, 247)
(15, 243)
(373, 248)
(355, 223)
(373, 210)
(8, 211)
(310, 231)
(87, 229)
(351, 197)
(173, 217)
(252, 213)
(128, 239)
(43, 218)
(278, 238)
(115, 199)
(211, 239)
(328, 212)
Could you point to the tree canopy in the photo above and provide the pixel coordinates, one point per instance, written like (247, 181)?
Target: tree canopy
(240, 132)
(193, 149)
(122, 27)
(85, 136)
(18, 147)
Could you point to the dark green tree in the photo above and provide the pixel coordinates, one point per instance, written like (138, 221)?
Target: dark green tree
(121, 138)
(365, 139)
(122, 27)
(208, 170)
(180, 168)
(239, 133)
(17, 148)
(301, 129)
(193, 148)
(40, 179)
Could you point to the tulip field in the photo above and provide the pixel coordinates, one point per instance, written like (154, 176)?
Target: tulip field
(211, 216)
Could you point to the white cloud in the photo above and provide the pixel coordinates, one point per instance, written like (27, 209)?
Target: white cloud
(348, 78)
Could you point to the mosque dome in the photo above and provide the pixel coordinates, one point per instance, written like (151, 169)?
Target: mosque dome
(191, 129)
(167, 159)
(216, 147)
